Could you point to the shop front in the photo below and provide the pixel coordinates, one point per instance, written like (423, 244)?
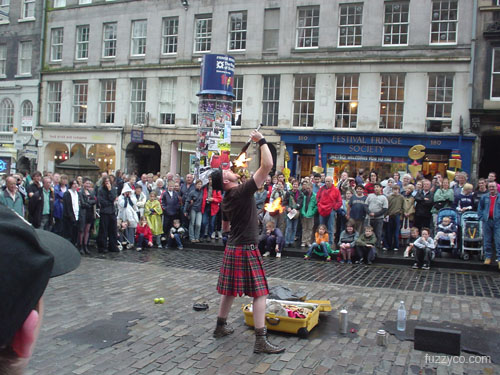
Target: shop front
(385, 153)
(100, 147)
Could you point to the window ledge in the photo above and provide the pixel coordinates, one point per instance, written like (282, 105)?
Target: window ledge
(23, 75)
(137, 57)
(3, 76)
(4, 22)
(27, 19)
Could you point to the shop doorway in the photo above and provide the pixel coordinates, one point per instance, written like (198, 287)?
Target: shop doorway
(488, 162)
(143, 157)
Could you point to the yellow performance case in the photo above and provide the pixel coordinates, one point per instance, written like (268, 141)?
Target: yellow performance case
(297, 326)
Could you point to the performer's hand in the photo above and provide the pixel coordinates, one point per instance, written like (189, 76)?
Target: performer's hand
(256, 136)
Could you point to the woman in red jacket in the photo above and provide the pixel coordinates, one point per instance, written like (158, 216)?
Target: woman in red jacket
(209, 208)
(143, 235)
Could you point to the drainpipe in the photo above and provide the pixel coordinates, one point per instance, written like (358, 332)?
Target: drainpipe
(42, 55)
(474, 166)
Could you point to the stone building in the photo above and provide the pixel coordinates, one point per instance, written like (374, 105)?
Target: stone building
(485, 109)
(346, 84)
(20, 60)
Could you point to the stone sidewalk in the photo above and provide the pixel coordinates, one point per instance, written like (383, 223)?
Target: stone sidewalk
(174, 339)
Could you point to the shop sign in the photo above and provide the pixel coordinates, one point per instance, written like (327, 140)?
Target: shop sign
(4, 165)
(137, 136)
(386, 159)
(217, 75)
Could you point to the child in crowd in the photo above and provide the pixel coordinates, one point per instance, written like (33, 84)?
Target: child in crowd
(153, 213)
(143, 235)
(177, 233)
(446, 230)
(465, 200)
(321, 243)
(271, 241)
(414, 234)
(356, 209)
(366, 245)
(347, 242)
(424, 246)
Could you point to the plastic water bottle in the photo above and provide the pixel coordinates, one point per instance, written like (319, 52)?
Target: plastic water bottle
(401, 317)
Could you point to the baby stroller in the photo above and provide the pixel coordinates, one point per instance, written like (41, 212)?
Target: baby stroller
(445, 244)
(472, 235)
(123, 241)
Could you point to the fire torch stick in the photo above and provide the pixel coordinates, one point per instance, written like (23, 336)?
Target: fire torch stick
(244, 149)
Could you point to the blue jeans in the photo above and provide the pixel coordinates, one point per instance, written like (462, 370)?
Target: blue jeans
(176, 241)
(207, 223)
(291, 230)
(491, 232)
(142, 241)
(378, 226)
(195, 225)
(329, 221)
(268, 243)
(321, 246)
(393, 227)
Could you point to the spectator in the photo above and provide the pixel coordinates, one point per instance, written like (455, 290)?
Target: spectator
(141, 200)
(271, 242)
(409, 203)
(308, 211)
(387, 190)
(397, 181)
(260, 198)
(320, 243)
(360, 180)
(127, 212)
(42, 205)
(317, 184)
(492, 177)
(144, 183)
(143, 235)
(357, 209)
(329, 201)
(443, 197)
(279, 218)
(59, 189)
(71, 213)
(153, 213)
(160, 187)
(414, 235)
(119, 181)
(33, 204)
(394, 212)
(465, 200)
(461, 179)
(347, 242)
(11, 197)
(406, 181)
(176, 234)
(20, 186)
(292, 203)
(377, 207)
(88, 200)
(369, 186)
(424, 246)
(343, 184)
(446, 230)
(489, 212)
(171, 206)
(342, 215)
(209, 207)
(107, 239)
(366, 246)
(423, 204)
(192, 209)
(482, 189)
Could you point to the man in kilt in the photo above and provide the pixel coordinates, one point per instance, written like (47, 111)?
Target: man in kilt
(242, 271)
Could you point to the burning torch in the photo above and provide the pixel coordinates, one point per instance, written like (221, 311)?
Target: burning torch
(241, 161)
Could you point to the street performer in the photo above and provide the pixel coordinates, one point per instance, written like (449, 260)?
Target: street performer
(242, 271)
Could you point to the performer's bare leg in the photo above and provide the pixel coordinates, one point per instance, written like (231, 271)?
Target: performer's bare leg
(225, 306)
(259, 311)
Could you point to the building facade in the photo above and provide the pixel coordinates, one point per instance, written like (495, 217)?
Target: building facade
(20, 61)
(351, 84)
(485, 109)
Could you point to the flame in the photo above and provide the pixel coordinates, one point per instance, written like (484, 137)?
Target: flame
(241, 161)
(274, 206)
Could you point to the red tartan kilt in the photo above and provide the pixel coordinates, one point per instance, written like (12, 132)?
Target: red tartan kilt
(242, 272)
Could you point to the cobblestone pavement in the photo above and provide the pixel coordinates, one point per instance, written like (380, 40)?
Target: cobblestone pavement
(172, 338)
(442, 281)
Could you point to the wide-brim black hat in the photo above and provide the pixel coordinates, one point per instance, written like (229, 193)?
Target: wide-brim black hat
(216, 176)
(28, 258)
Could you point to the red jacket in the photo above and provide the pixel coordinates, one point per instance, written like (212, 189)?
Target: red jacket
(146, 231)
(328, 200)
(217, 198)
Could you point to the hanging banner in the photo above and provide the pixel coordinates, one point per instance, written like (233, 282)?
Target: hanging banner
(217, 73)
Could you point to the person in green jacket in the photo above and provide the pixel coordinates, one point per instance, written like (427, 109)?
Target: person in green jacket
(308, 210)
(443, 198)
(11, 198)
(366, 246)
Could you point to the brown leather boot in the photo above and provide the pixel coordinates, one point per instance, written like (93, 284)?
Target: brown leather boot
(262, 344)
(222, 329)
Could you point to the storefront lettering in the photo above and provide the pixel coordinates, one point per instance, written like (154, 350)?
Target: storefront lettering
(366, 140)
(303, 137)
(435, 142)
(366, 149)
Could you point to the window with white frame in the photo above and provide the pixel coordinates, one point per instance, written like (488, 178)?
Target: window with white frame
(27, 116)
(271, 29)
(203, 33)
(5, 7)
(396, 23)
(350, 25)
(80, 95)
(109, 38)
(444, 20)
(237, 31)
(271, 100)
(170, 35)
(6, 115)
(24, 56)
(83, 2)
(3, 60)
(139, 36)
(238, 100)
(439, 102)
(167, 101)
(28, 11)
(138, 101)
(59, 3)
(303, 100)
(107, 102)
(56, 44)
(307, 27)
(495, 75)
(54, 101)
(346, 101)
(392, 100)
(195, 88)
(82, 42)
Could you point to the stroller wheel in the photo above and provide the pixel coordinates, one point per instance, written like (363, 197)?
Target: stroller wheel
(465, 256)
(120, 247)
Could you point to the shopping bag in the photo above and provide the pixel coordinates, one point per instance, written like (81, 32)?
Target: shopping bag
(405, 229)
